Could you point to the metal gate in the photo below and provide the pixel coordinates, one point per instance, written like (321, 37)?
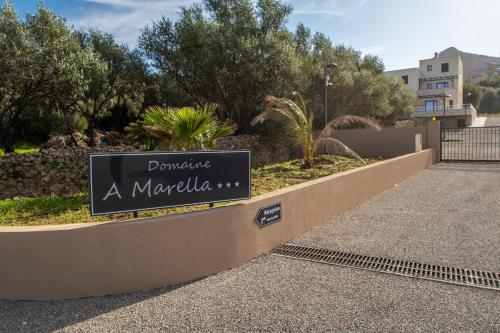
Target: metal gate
(470, 144)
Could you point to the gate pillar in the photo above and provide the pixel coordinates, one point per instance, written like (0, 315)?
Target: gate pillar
(434, 138)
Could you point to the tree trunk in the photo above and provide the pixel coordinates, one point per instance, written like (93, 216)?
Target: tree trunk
(91, 135)
(8, 140)
(91, 131)
(9, 148)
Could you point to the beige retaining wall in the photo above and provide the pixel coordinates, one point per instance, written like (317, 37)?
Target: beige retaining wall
(57, 262)
(387, 142)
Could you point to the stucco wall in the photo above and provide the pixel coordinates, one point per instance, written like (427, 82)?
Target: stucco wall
(56, 262)
(412, 74)
(455, 89)
(388, 142)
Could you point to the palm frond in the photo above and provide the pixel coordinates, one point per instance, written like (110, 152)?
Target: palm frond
(209, 108)
(216, 131)
(282, 109)
(272, 113)
(186, 128)
(335, 147)
(348, 121)
(189, 122)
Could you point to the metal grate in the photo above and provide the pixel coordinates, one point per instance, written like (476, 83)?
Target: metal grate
(462, 276)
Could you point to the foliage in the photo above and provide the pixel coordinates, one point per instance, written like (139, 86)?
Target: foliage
(74, 208)
(138, 133)
(495, 83)
(16, 208)
(483, 96)
(120, 82)
(402, 101)
(22, 149)
(490, 102)
(300, 123)
(39, 60)
(372, 63)
(476, 94)
(54, 80)
(359, 86)
(162, 89)
(186, 128)
(229, 52)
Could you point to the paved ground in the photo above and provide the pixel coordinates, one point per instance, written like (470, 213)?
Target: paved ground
(493, 121)
(486, 121)
(479, 122)
(445, 215)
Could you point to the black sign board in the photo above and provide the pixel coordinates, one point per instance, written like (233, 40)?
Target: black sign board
(268, 215)
(127, 182)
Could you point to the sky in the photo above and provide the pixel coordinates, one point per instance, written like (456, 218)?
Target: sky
(401, 32)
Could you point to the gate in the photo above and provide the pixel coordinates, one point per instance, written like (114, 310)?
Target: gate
(470, 144)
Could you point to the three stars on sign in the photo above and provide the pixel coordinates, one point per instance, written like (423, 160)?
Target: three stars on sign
(228, 184)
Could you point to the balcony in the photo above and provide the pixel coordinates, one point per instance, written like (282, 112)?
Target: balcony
(448, 111)
(436, 92)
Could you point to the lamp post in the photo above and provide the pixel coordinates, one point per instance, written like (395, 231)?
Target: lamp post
(327, 83)
(444, 103)
(466, 106)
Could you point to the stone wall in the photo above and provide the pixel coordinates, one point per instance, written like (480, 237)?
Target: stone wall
(64, 171)
(51, 171)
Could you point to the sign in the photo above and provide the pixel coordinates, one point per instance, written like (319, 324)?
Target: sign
(268, 215)
(127, 182)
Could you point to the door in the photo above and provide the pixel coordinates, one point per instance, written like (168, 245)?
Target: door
(431, 106)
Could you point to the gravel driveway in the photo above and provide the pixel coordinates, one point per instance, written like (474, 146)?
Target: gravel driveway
(448, 214)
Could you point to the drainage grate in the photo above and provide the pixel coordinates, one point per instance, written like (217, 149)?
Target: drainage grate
(462, 276)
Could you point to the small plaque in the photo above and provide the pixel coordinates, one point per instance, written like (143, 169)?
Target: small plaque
(268, 215)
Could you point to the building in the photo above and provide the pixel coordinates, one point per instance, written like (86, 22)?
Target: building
(438, 85)
(476, 67)
(409, 76)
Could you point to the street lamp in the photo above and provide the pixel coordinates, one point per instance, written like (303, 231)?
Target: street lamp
(444, 102)
(469, 94)
(327, 83)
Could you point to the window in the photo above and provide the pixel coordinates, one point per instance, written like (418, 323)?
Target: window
(431, 105)
(441, 85)
(460, 122)
(451, 104)
(429, 68)
(444, 67)
(429, 86)
(405, 78)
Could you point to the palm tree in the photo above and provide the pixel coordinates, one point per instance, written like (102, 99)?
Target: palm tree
(300, 123)
(186, 128)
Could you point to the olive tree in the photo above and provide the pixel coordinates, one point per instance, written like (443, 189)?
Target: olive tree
(39, 58)
(231, 52)
(120, 81)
